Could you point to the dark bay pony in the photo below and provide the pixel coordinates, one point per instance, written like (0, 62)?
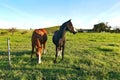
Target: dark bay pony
(59, 38)
(39, 38)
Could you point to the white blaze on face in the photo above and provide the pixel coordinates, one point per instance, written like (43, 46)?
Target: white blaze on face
(75, 30)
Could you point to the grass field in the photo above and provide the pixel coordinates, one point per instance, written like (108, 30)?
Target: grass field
(88, 56)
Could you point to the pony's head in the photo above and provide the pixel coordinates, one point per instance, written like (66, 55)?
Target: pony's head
(69, 27)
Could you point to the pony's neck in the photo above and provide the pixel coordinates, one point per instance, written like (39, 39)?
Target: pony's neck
(62, 31)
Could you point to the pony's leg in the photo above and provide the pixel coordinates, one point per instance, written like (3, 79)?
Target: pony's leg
(56, 55)
(59, 51)
(44, 48)
(39, 54)
(32, 50)
(39, 58)
(63, 52)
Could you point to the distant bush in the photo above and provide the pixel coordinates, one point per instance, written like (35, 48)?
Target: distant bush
(12, 30)
(24, 32)
(3, 33)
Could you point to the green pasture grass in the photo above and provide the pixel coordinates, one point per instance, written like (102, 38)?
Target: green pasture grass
(88, 56)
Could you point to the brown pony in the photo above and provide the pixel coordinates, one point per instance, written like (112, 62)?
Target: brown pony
(39, 38)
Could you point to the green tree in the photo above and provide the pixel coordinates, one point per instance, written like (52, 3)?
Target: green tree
(12, 30)
(117, 29)
(101, 27)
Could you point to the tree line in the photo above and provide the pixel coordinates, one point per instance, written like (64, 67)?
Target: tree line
(100, 27)
(104, 27)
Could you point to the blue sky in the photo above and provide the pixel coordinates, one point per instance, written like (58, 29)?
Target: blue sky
(26, 14)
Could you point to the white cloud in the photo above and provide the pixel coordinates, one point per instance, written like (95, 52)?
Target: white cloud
(115, 21)
(27, 24)
(112, 16)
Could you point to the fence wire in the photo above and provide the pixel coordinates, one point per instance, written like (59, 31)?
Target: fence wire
(15, 49)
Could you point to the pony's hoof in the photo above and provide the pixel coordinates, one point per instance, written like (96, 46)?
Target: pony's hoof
(62, 59)
(55, 61)
(31, 60)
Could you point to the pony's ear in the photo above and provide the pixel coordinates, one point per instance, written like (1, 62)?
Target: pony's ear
(70, 20)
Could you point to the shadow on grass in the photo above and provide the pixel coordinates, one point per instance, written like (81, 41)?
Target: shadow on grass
(4, 62)
(105, 49)
(14, 57)
(3, 53)
(20, 53)
(114, 75)
(22, 65)
(51, 73)
(111, 44)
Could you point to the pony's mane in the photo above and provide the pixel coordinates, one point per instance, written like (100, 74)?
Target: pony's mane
(64, 24)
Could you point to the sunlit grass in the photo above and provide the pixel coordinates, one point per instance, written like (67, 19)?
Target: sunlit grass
(88, 56)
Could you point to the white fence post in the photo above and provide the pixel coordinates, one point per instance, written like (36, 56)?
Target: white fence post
(8, 43)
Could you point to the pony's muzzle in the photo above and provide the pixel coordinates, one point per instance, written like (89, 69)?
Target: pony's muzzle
(75, 31)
